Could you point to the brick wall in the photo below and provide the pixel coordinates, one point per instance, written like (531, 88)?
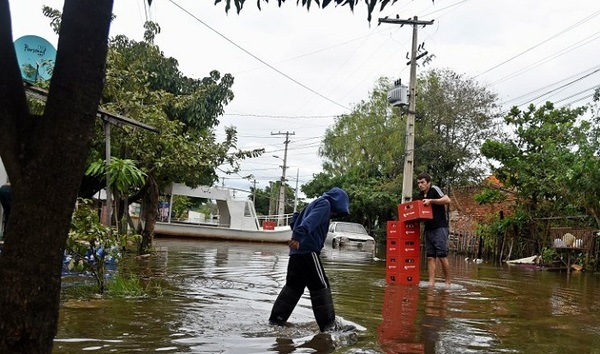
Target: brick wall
(466, 213)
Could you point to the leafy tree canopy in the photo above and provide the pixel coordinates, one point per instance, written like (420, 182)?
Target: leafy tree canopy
(551, 161)
(455, 115)
(363, 152)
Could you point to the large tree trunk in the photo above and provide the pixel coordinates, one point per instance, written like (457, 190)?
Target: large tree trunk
(44, 157)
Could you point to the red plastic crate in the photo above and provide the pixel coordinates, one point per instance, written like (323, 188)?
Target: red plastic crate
(402, 262)
(411, 251)
(399, 229)
(392, 263)
(393, 246)
(393, 228)
(403, 248)
(414, 210)
(409, 263)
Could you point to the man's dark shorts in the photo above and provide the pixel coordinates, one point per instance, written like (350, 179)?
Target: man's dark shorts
(436, 242)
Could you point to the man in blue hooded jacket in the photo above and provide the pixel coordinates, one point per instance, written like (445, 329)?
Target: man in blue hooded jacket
(309, 230)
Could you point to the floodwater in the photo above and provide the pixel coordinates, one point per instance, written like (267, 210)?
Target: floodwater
(216, 298)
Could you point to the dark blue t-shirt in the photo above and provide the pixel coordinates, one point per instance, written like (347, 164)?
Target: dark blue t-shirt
(439, 211)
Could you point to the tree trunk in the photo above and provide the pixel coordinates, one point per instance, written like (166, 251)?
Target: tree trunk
(150, 214)
(45, 159)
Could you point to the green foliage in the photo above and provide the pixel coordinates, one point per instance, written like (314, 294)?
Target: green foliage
(551, 163)
(371, 4)
(515, 225)
(143, 84)
(455, 115)
(363, 152)
(90, 244)
(123, 173)
(54, 16)
(126, 286)
(549, 255)
(266, 199)
(490, 196)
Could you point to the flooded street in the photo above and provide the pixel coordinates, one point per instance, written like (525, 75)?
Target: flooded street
(217, 296)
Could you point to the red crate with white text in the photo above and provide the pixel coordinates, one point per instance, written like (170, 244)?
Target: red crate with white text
(404, 247)
(404, 230)
(402, 263)
(414, 210)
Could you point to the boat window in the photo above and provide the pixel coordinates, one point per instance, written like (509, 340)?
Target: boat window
(247, 211)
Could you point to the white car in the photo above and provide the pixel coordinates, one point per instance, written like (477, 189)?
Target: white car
(349, 234)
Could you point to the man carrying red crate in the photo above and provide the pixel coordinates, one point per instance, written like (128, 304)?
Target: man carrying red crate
(436, 229)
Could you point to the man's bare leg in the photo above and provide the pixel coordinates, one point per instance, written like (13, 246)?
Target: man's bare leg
(446, 270)
(431, 270)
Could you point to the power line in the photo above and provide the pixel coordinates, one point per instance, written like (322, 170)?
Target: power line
(594, 69)
(565, 85)
(551, 57)
(577, 24)
(578, 93)
(259, 59)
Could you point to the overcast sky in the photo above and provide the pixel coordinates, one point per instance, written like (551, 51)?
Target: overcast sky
(295, 70)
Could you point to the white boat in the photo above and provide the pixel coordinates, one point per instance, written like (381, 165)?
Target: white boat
(237, 219)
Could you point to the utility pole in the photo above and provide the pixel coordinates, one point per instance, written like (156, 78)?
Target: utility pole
(281, 201)
(409, 147)
(296, 196)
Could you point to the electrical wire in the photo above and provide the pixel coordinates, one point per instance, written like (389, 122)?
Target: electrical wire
(259, 59)
(575, 25)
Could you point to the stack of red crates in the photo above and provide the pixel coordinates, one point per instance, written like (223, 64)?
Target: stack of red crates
(403, 252)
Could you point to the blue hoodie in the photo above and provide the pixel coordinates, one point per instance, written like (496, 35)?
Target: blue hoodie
(311, 225)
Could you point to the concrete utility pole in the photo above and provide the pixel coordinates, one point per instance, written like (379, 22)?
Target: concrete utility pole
(281, 199)
(296, 196)
(409, 147)
(254, 190)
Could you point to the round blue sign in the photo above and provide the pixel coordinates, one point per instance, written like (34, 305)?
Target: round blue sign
(36, 58)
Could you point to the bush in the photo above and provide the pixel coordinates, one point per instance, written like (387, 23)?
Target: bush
(91, 246)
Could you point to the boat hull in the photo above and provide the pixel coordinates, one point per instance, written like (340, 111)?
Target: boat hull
(163, 229)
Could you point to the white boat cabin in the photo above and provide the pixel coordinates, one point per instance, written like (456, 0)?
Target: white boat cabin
(233, 213)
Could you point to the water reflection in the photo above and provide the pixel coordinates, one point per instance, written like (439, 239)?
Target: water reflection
(397, 331)
(216, 298)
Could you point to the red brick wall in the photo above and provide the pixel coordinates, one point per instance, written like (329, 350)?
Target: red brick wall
(466, 213)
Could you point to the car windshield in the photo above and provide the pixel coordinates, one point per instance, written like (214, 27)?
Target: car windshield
(353, 228)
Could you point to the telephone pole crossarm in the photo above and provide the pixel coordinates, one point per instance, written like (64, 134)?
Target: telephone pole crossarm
(396, 21)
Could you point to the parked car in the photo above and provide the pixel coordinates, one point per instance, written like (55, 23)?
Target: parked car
(349, 234)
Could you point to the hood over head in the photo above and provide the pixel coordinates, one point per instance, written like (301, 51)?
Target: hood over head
(338, 198)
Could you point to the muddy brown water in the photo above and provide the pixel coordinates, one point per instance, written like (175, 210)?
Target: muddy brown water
(216, 298)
